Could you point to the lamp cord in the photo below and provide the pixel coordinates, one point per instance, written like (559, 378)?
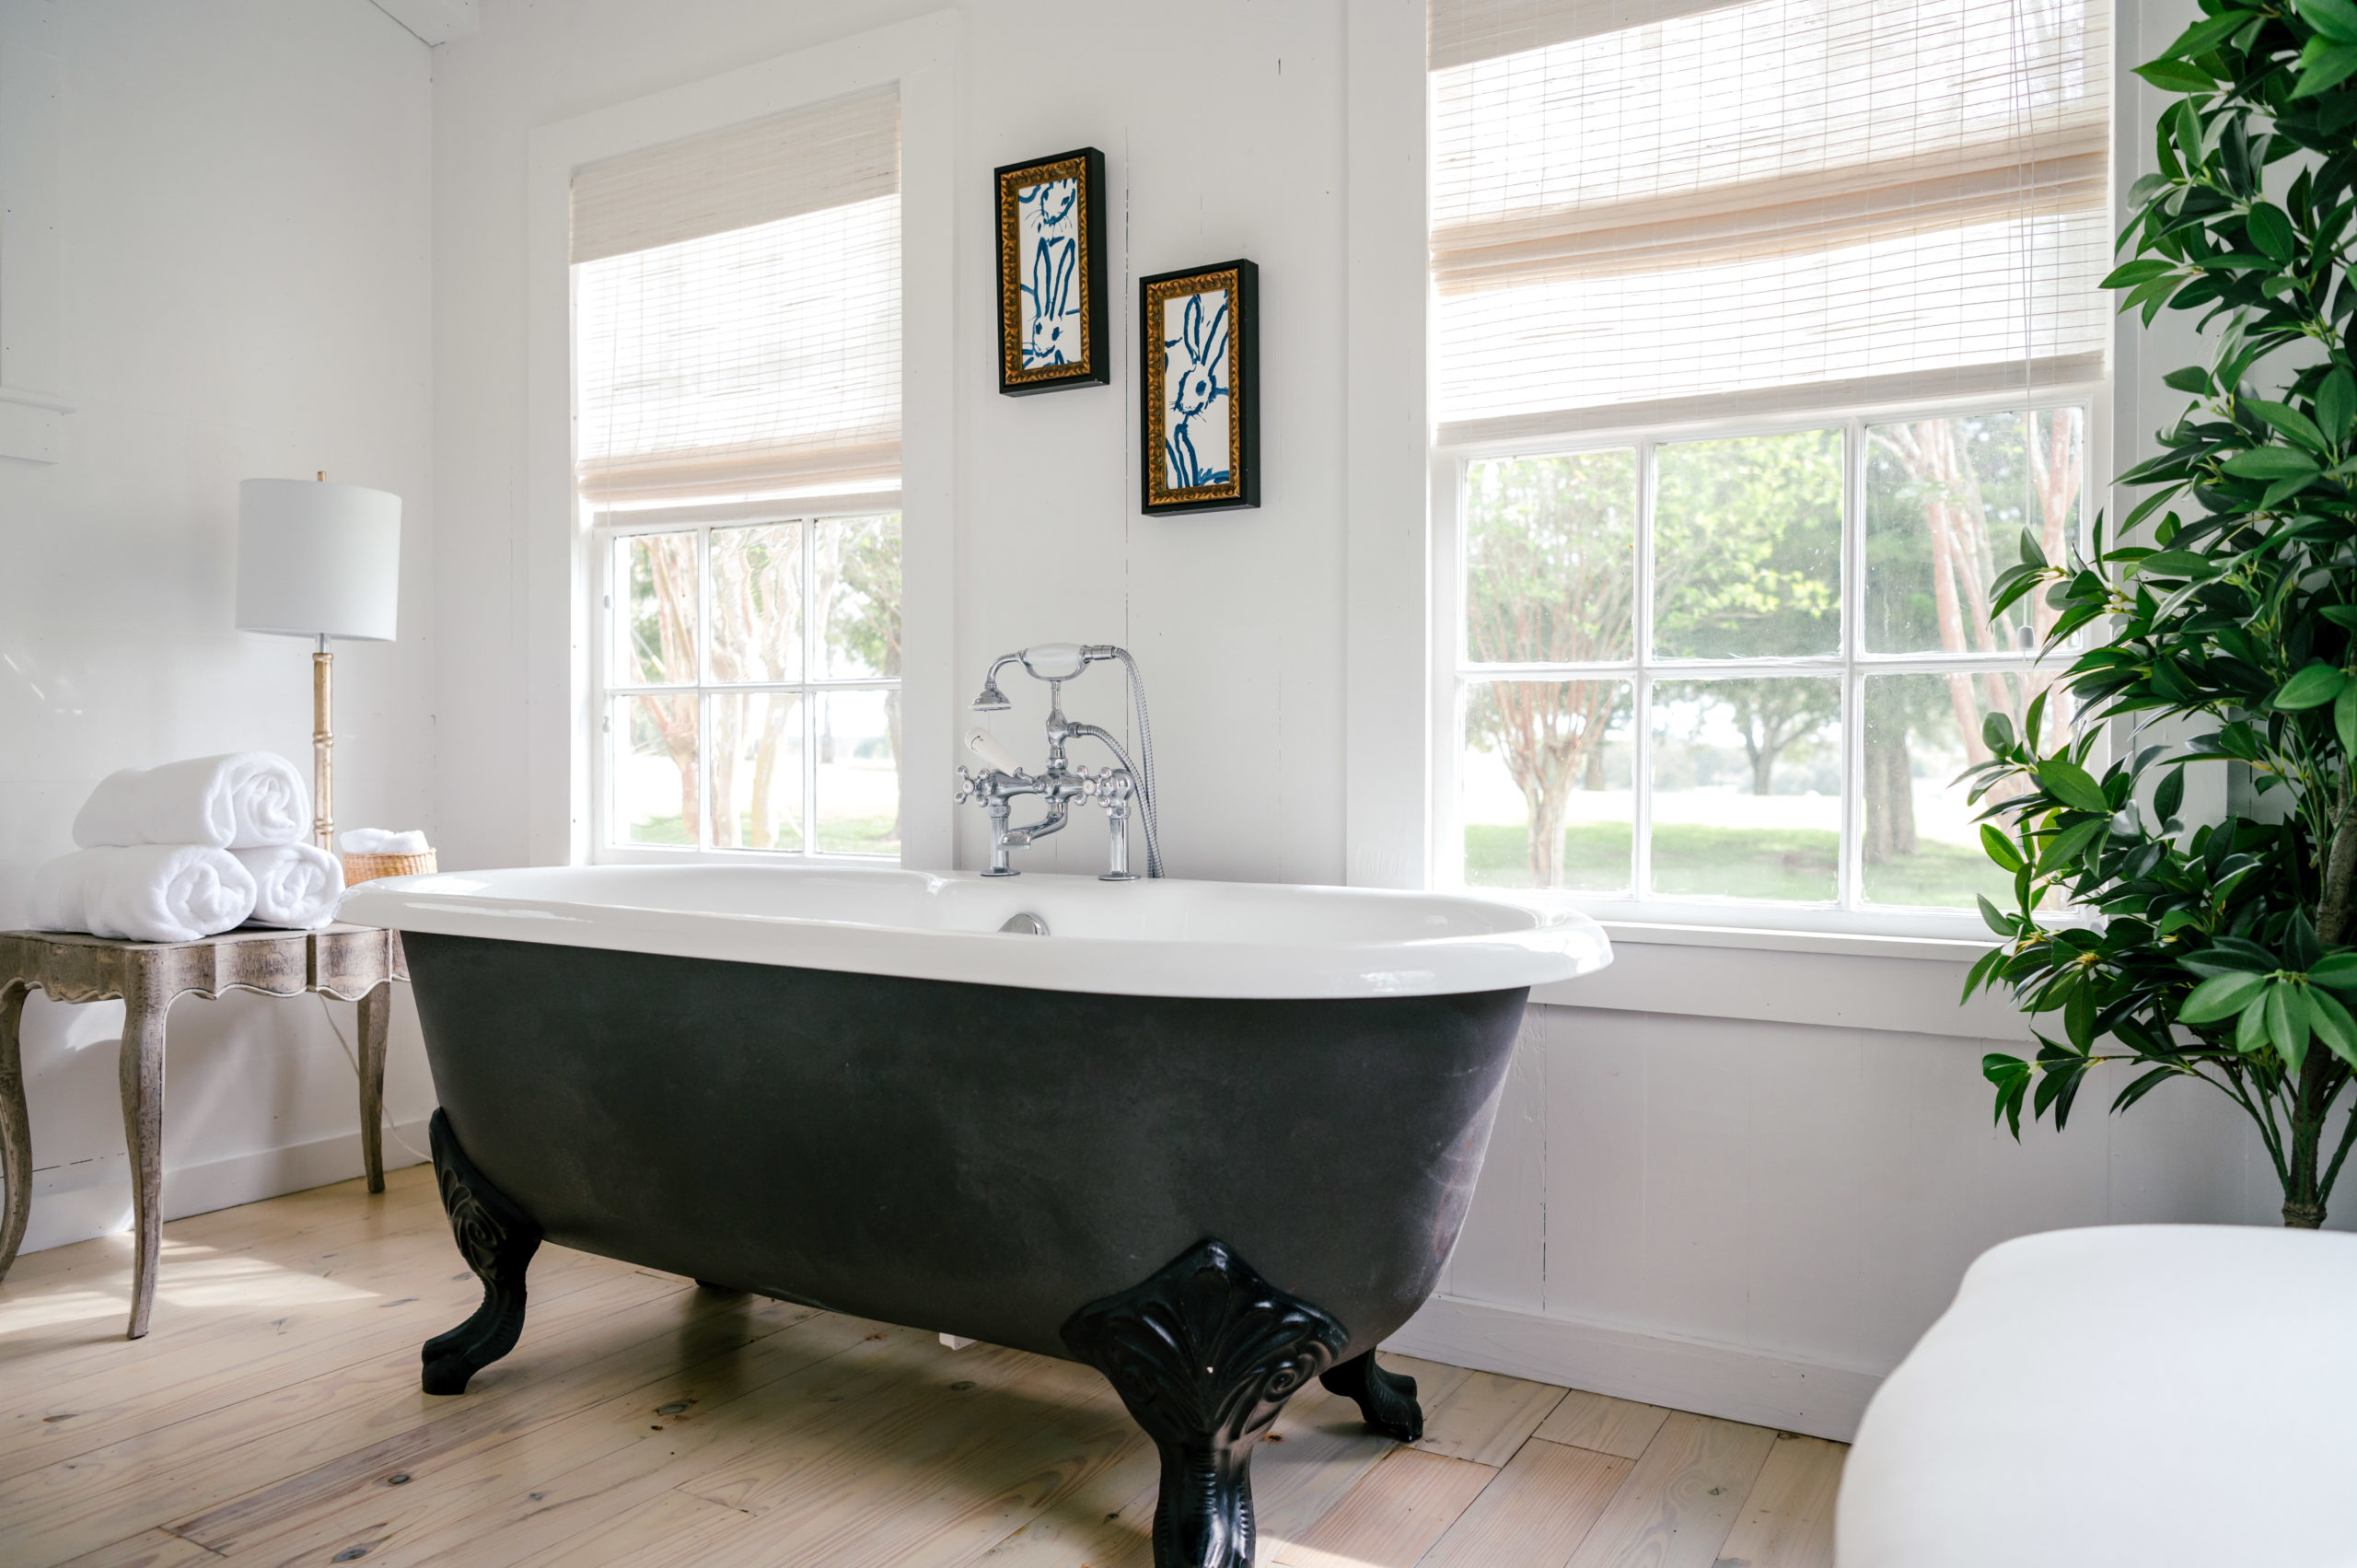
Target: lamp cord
(386, 1124)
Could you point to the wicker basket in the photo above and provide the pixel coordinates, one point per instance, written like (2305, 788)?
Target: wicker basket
(359, 868)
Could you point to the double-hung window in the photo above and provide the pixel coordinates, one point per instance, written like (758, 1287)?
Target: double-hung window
(736, 387)
(1765, 334)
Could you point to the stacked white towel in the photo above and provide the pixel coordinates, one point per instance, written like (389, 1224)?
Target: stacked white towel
(143, 892)
(188, 850)
(295, 885)
(243, 801)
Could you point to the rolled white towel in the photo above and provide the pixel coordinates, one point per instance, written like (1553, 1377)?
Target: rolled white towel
(242, 800)
(382, 841)
(295, 885)
(143, 892)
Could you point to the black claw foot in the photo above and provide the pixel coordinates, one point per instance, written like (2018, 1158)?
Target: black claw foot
(497, 1240)
(1387, 1399)
(1204, 1354)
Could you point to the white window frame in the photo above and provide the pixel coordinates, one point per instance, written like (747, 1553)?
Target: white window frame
(607, 845)
(1453, 673)
(562, 577)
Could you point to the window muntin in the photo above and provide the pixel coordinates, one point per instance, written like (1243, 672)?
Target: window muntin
(751, 698)
(1741, 667)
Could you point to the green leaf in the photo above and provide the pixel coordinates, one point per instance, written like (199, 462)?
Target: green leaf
(2312, 688)
(2287, 1021)
(2079, 1019)
(2324, 65)
(2283, 490)
(1980, 971)
(2337, 404)
(2133, 273)
(2069, 844)
(1997, 732)
(2344, 719)
(2177, 563)
(2000, 848)
(2184, 124)
(1997, 922)
(2267, 462)
(2290, 421)
(2070, 783)
(2143, 1086)
(2178, 77)
(2337, 19)
(2250, 1030)
(2203, 35)
(2010, 1074)
(2333, 1025)
(2271, 231)
(2176, 920)
(2168, 796)
(2336, 970)
(2191, 378)
(2222, 997)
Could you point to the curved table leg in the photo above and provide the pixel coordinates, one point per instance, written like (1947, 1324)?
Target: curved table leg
(142, 1070)
(15, 1132)
(376, 1011)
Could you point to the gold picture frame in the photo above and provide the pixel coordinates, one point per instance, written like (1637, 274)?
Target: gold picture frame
(1052, 273)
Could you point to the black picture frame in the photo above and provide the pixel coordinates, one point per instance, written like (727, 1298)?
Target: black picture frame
(1176, 471)
(1072, 270)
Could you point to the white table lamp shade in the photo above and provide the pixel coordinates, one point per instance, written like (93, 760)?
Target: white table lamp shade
(317, 560)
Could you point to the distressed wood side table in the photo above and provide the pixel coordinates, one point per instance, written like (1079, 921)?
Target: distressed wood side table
(352, 963)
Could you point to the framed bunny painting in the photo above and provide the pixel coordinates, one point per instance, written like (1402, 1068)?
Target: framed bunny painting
(1052, 273)
(1199, 339)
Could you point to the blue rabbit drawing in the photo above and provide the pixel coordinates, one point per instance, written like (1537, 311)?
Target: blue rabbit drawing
(1051, 333)
(1195, 392)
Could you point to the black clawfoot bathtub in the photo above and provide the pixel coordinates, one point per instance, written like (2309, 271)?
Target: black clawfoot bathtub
(1212, 1139)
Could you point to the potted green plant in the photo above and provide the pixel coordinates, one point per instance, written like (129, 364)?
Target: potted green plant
(2223, 952)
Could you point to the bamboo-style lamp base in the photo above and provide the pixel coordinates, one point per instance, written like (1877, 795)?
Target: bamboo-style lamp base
(323, 748)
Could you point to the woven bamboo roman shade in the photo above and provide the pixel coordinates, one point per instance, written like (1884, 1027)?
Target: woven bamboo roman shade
(737, 303)
(1648, 214)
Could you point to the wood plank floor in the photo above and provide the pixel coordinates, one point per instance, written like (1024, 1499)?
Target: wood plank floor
(274, 1417)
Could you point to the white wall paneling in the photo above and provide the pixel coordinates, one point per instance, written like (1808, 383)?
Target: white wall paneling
(1756, 1219)
(1387, 769)
(33, 413)
(237, 283)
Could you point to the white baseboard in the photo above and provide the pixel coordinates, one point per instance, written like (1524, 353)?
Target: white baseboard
(1655, 1369)
(78, 1201)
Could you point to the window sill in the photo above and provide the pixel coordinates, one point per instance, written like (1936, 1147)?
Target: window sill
(1888, 983)
(1859, 945)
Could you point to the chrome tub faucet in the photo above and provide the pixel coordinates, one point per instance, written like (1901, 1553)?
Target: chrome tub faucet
(1118, 791)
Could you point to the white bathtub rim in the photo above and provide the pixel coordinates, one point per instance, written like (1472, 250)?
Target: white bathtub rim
(1557, 944)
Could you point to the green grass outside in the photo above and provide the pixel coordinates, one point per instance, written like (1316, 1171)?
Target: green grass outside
(1792, 864)
(853, 835)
